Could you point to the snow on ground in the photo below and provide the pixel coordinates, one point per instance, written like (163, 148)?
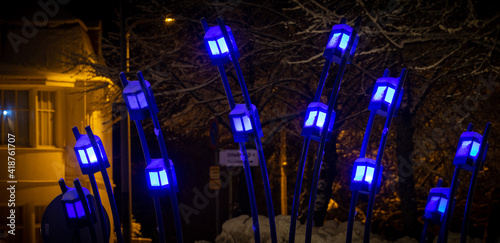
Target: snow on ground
(239, 230)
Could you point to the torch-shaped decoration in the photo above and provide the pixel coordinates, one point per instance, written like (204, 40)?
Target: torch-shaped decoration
(467, 153)
(217, 47)
(315, 121)
(362, 175)
(241, 125)
(383, 96)
(337, 43)
(156, 174)
(79, 210)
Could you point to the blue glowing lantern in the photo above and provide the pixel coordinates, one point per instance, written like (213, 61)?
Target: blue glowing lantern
(241, 124)
(315, 121)
(383, 95)
(337, 43)
(437, 202)
(73, 208)
(217, 47)
(362, 175)
(156, 174)
(87, 157)
(135, 100)
(468, 151)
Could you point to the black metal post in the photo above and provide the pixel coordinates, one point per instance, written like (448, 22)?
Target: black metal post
(85, 205)
(107, 184)
(473, 181)
(443, 233)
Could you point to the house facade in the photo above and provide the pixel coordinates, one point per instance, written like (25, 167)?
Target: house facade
(43, 94)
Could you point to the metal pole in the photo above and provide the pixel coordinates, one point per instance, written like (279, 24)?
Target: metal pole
(443, 233)
(100, 211)
(258, 142)
(472, 187)
(107, 183)
(159, 219)
(352, 211)
(321, 148)
(217, 206)
(298, 185)
(423, 238)
(380, 155)
(164, 154)
(85, 205)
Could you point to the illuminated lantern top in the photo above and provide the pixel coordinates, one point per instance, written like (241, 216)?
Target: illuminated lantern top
(73, 207)
(363, 173)
(315, 121)
(241, 125)
(217, 47)
(383, 95)
(337, 43)
(467, 153)
(135, 100)
(87, 157)
(156, 174)
(437, 204)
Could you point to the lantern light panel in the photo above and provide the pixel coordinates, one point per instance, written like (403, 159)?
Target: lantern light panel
(135, 100)
(363, 174)
(217, 47)
(315, 121)
(437, 204)
(241, 124)
(337, 43)
(156, 173)
(467, 153)
(75, 213)
(87, 157)
(383, 96)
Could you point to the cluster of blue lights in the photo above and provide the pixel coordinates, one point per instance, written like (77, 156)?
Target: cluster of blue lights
(158, 178)
(384, 94)
(467, 148)
(86, 152)
(317, 116)
(334, 41)
(242, 124)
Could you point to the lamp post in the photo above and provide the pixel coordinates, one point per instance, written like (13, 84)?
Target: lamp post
(470, 156)
(335, 42)
(240, 118)
(141, 104)
(89, 165)
(316, 111)
(364, 168)
(386, 84)
(79, 211)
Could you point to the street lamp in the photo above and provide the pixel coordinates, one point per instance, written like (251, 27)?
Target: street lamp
(74, 210)
(363, 174)
(437, 203)
(337, 43)
(467, 153)
(79, 209)
(383, 95)
(156, 174)
(88, 157)
(315, 121)
(241, 125)
(217, 47)
(135, 100)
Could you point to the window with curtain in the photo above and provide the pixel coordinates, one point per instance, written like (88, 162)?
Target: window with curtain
(14, 107)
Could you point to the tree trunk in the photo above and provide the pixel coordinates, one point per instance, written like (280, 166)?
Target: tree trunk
(328, 173)
(404, 147)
